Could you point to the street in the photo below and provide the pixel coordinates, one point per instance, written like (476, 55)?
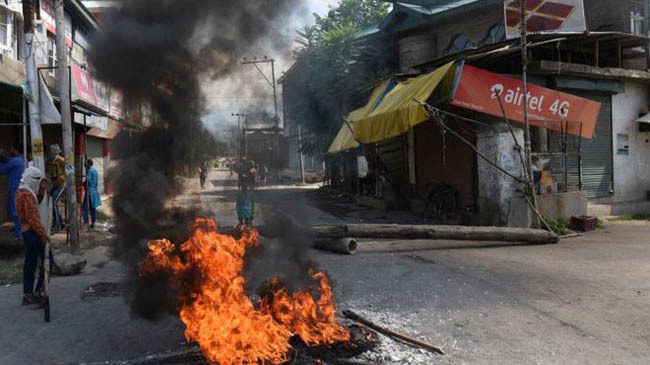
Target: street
(581, 301)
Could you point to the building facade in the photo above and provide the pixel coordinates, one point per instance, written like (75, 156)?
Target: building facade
(605, 61)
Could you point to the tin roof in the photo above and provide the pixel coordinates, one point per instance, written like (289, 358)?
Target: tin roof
(409, 14)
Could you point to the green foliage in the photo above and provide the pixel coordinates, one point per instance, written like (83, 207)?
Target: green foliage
(335, 67)
(557, 225)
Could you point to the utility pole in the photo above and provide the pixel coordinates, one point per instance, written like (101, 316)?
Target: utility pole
(239, 131)
(63, 87)
(272, 83)
(32, 81)
(34, 104)
(524, 71)
(302, 162)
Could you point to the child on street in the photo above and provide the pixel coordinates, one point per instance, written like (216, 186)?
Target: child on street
(245, 206)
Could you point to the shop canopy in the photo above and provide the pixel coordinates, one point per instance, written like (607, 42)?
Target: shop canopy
(345, 138)
(392, 109)
(400, 109)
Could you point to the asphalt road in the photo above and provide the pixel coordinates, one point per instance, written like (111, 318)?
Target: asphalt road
(582, 301)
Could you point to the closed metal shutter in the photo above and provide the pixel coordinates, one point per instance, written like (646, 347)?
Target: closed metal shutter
(597, 154)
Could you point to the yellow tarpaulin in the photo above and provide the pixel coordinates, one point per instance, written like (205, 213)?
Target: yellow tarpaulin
(345, 139)
(398, 111)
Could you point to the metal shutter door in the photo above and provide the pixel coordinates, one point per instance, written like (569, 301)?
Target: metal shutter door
(597, 154)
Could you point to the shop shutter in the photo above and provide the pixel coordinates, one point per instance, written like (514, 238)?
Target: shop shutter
(597, 154)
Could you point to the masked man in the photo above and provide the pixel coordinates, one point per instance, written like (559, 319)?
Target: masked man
(30, 192)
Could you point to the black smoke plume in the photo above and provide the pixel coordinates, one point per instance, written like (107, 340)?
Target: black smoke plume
(158, 53)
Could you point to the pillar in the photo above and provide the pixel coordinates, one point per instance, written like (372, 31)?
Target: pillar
(500, 196)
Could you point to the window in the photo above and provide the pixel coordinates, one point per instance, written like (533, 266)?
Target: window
(6, 20)
(51, 54)
(637, 19)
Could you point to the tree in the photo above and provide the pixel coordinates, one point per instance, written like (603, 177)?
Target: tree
(337, 65)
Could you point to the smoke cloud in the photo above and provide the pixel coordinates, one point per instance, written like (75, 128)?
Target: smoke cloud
(159, 53)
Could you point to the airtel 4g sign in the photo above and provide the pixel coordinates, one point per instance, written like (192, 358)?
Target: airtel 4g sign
(481, 90)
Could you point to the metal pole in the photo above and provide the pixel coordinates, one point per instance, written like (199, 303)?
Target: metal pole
(66, 124)
(275, 95)
(85, 165)
(25, 131)
(302, 164)
(246, 136)
(524, 71)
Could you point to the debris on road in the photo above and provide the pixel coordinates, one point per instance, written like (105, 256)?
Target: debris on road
(345, 245)
(388, 332)
(66, 264)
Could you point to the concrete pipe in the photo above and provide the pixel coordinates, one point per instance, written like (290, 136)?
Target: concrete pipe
(344, 245)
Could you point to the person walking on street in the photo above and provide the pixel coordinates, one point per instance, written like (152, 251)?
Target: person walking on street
(263, 171)
(92, 199)
(31, 191)
(245, 206)
(203, 175)
(56, 173)
(14, 166)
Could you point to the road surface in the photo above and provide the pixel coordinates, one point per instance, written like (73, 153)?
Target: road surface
(582, 301)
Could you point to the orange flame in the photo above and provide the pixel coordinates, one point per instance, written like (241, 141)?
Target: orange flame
(222, 319)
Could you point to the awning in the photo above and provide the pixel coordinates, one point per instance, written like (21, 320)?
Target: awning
(345, 138)
(15, 88)
(399, 111)
(113, 129)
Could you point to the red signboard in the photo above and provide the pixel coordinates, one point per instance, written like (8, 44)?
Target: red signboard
(83, 86)
(478, 90)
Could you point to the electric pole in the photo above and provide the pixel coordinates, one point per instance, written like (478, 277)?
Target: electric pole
(239, 131)
(524, 71)
(272, 83)
(34, 104)
(63, 87)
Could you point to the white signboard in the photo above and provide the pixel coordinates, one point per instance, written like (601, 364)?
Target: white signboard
(545, 16)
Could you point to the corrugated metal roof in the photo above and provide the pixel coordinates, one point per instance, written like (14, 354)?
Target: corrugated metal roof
(409, 14)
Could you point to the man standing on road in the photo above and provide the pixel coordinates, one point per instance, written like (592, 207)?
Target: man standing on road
(14, 167)
(92, 200)
(203, 175)
(30, 192)
(56, 172)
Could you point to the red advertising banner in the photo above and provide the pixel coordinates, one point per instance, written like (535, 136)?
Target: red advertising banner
(478, 90)
(83, 88)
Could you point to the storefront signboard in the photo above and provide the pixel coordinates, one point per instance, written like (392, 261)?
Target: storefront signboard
(480, 90)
